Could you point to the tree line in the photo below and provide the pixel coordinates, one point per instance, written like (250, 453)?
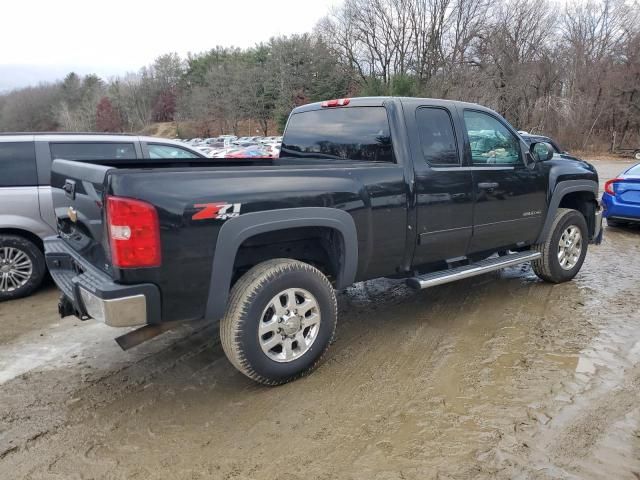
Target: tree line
(572, 72)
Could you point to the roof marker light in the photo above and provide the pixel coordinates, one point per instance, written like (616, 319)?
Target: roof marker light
(339, 102)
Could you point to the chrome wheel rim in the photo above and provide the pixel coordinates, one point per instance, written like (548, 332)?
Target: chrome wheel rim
(289, 325)
(15, 269)
(569, 247)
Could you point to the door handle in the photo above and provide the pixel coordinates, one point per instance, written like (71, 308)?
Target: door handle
(488, 185)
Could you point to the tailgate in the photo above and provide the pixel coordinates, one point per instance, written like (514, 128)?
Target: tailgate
(78, 193)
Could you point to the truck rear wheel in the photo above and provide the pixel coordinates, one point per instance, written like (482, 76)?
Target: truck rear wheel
(565, 248)
(280, 320)
(22, 267)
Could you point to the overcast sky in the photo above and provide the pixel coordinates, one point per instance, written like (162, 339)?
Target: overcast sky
(42, 39)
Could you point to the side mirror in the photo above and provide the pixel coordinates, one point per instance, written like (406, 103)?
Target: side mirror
(541, 151)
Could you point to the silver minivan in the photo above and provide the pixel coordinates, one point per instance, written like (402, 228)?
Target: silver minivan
(26, 211)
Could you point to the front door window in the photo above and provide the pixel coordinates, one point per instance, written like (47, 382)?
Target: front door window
(491, 142)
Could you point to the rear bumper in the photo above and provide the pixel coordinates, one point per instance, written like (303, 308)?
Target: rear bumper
(93, 294)
(617, 210)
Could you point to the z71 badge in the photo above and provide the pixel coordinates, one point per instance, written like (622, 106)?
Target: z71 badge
(217, 211)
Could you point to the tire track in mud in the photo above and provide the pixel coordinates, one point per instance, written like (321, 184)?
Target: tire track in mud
(31, 413)
(414, 367)
(593, 425)
(354, 384)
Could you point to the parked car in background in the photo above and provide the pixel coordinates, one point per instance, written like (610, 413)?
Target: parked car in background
(621, 198)
(26, 210)
(253, 151)
(226, 146)
(230, 138)
(633, 151)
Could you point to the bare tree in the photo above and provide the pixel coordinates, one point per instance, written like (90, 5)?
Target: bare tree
(573, 74)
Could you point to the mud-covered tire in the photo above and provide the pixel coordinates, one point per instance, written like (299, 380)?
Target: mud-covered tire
(548, 267)
(13, 244)
(251, 295)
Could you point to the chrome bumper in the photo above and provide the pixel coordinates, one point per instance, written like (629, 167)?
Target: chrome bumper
(91, 293)
(116, 312)
(597, 231)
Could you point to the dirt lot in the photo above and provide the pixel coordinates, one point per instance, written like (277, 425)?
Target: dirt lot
(500, 376)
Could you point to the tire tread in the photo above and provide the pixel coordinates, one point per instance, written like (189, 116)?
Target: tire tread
(542, 266)
(241, 297)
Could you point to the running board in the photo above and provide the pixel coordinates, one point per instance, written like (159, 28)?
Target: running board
(488, 265)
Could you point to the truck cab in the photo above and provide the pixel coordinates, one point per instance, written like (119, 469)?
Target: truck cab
(472, 184)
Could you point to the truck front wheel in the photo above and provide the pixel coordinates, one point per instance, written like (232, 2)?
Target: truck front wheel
(564, 249)
(280, 321)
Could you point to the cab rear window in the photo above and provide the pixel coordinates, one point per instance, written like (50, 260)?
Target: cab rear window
(349, 133)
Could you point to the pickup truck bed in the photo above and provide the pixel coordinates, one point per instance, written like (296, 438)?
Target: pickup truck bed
(429, 190)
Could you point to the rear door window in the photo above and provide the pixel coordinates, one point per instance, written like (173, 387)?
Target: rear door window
(349, 133)
(437, 137)
(93, 151)
(18, 164)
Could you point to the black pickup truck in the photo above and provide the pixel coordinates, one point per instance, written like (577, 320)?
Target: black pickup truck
(428, 190)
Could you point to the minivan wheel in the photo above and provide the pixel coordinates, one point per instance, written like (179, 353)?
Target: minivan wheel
(280, 320)
(565, 248)
(22, 267)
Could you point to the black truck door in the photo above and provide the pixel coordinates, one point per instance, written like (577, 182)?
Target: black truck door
(510, 197)
(443, 187)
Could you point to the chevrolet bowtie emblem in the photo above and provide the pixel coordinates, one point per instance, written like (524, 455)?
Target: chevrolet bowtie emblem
(73, 214)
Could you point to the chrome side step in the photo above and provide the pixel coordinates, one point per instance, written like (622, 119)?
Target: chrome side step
(488, 265)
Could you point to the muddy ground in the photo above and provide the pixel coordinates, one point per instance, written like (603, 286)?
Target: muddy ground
(500, 376)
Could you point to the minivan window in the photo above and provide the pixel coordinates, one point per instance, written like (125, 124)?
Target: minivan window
(93, 151)
(349, 133)
(169, 151)
(18, 164)
(437, 137)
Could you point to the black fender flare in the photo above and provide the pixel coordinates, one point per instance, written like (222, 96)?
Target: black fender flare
(563, 188)
(236, 230)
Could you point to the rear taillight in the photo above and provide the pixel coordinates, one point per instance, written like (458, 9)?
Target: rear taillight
(340, 102)
(134, 233)
(608, 186)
